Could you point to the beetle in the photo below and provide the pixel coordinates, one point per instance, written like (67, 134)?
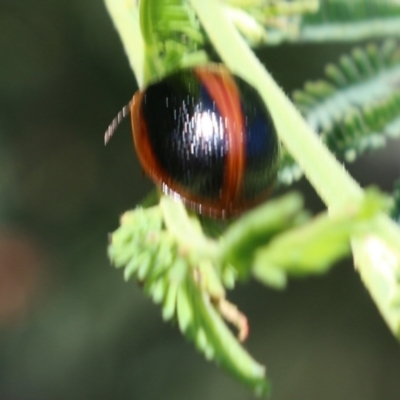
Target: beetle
(204, 135)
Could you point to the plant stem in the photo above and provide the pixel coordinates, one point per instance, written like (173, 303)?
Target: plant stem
(125, 15)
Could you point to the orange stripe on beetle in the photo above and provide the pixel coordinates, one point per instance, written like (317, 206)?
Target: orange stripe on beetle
(205, 135)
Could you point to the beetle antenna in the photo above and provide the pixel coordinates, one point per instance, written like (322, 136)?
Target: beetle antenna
(125, 111)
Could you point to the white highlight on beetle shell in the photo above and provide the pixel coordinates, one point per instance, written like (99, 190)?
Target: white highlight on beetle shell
(207, 125)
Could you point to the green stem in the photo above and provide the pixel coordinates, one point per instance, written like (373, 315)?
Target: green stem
(153, 68)
(125, 16)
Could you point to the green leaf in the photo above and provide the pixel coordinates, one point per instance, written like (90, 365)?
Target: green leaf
(267, 22)
(165, 249)
(356, 108)
(165, 24)
(248, 26)
(176, 276)
(315, 246)
(395, 210)
(257, 228)
(351, 20)
(273, 22)
(228, 352)
(185, 311)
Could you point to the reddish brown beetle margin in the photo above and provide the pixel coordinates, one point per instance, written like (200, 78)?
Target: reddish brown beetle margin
(190, 91)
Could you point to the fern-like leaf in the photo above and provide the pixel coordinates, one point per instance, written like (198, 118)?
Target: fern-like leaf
(351, 20)
(172, 35)
(273, 22)
(278, 240)
(269, 22)
(395, 211)
(185, 282)
(186, 272)
(356, 107)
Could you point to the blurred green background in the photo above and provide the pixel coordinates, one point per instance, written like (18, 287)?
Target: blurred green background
(70, 327)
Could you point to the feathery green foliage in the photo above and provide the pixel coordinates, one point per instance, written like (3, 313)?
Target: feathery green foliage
(275, 21)
(395, 211)
(356, 107)
(351, 20)
(164, 248)
(269, 22)
(187, 272)
(353, 11)
(172, 35)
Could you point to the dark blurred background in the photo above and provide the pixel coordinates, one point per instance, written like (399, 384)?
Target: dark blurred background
(70, 327)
